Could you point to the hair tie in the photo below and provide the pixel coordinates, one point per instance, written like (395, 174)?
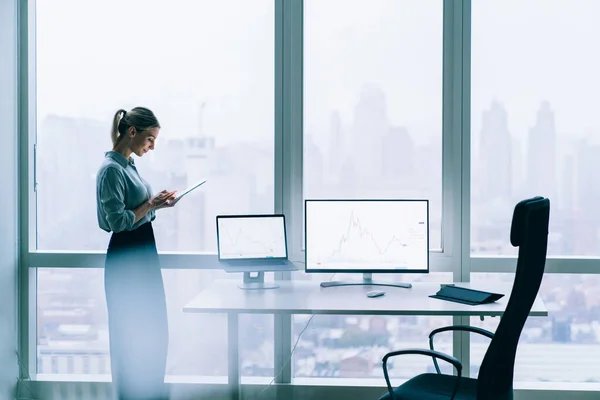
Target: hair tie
(124, 113)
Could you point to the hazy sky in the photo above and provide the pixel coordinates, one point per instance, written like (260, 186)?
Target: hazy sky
(94, 58)
(527, 51)
(396, 45)
(97, 57)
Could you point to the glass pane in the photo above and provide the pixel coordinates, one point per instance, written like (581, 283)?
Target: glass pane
(373, 101)
(534, 123)
(206, 69)
(342, 346)
(73, 327)
(563, 347)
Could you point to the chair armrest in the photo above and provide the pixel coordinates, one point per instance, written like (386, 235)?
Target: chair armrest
(467, 328)
(425, 352)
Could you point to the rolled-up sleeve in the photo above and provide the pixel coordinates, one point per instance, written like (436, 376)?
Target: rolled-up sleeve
(112, 201)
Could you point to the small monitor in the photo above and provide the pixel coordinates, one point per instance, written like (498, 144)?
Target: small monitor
(251, 237)
(367, 236)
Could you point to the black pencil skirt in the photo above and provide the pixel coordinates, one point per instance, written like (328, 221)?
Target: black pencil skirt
(137, 315)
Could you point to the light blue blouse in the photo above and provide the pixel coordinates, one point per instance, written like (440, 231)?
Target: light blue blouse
(119, 190)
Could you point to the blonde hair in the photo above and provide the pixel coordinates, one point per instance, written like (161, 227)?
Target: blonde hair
(140, 118)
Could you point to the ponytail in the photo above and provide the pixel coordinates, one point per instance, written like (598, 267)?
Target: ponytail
(115, 135)
(140, 118)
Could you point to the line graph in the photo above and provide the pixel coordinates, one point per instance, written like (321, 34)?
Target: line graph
(251, 237)
(241, 239)
(355, 228)
(366, 235)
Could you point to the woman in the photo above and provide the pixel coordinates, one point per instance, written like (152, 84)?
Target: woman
(135, 297)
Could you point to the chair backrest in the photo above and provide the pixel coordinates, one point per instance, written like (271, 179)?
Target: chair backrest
(529, 231)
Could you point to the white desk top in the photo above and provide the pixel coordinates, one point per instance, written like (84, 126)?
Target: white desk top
(302, 297)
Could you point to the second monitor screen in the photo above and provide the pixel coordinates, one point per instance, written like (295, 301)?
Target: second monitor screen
(367, 235)
(251, 237)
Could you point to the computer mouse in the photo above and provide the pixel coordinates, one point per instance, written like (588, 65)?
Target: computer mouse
(375, 293)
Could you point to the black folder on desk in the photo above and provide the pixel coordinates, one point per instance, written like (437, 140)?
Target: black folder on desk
(466, 296)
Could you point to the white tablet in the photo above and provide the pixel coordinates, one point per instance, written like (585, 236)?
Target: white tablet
(189, 189)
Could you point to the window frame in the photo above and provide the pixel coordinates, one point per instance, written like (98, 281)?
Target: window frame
(455, 256)
(288, 168)
(444, 259)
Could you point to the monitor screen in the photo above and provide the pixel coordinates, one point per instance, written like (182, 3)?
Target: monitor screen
(367, 236)
(251, 237)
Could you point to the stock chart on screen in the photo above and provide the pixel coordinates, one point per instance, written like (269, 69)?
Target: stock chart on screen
(367, 234)
(251, 237)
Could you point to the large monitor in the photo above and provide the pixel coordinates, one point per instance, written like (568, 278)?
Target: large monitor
(366, 236)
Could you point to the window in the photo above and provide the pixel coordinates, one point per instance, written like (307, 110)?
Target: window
(372, 128)
(345, 346)
(563, 347)
(534, 121)
(352, 346)
(73, 337)
(373, 101)
(207, 71)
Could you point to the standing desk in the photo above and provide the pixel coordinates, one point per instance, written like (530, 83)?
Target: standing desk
(308, 297)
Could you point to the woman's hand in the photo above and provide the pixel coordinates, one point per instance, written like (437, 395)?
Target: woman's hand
(169, 203)
(160, 200)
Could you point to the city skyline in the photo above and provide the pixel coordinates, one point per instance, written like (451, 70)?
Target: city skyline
(388, 155)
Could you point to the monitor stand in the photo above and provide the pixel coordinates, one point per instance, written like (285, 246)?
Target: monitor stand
(366, 281)
(256, 282)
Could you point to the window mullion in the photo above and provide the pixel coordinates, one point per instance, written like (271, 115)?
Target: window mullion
(456, 155)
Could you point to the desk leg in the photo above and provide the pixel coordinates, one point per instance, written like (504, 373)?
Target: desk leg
(233, 356)
(283, 349)
(463, 353)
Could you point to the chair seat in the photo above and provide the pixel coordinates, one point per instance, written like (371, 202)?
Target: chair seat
(434, 387)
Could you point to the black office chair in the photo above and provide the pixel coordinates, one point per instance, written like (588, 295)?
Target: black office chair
(529, 231)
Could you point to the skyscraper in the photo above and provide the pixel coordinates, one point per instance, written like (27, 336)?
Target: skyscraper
(398, 153)
(541, 154)
(336, 144)
(313, 168)
(587, 188)
(369, 127)
(495, 151)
